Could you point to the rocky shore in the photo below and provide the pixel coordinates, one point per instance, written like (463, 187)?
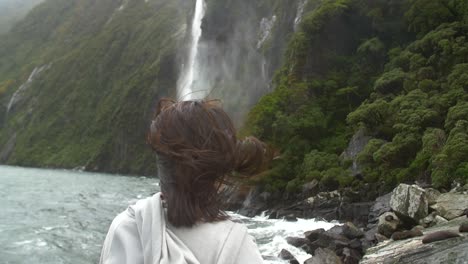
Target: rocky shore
(411, 224)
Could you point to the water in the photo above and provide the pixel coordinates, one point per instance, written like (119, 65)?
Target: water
(58, 216)
(185, 86)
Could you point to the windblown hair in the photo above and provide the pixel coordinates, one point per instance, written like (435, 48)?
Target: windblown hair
(196, 147)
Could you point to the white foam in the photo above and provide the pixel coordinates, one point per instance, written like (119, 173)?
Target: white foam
(271, 235)
(185, 85)
(24, 242)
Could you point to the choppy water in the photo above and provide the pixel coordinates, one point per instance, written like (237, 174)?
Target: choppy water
(58, 216)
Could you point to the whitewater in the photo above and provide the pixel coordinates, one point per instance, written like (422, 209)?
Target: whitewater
(61, 216)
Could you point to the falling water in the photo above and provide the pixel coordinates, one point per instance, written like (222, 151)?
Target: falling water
(185, 86)
(300, 12)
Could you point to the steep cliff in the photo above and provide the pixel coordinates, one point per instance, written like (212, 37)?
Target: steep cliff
(78, 79)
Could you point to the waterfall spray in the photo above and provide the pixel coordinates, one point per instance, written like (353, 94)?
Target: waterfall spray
(186, 82)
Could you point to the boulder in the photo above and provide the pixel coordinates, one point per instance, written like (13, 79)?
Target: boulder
(451, 205)
(297, 241)
(348, 229)
(286, 255)
(432, 195)
(324, 256)
(388, 224)
(314, 234)
(432, 219)
(410, 201)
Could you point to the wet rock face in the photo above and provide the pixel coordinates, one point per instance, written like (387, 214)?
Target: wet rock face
(356, 145)
(451, 205)
(410, 201)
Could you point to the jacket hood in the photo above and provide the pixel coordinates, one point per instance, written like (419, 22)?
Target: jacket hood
(159, 244)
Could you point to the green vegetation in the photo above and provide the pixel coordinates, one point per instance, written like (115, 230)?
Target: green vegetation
(397, 69)
(107, 67)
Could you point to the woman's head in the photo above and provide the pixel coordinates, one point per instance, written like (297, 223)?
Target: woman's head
(196, 146)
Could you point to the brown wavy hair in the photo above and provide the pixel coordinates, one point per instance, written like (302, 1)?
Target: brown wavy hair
(197, 148)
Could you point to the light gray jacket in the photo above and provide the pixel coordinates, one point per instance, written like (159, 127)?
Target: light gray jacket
(141, 235)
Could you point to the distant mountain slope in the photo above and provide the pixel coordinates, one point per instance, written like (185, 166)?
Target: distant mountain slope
(78, 80)
(11, 11)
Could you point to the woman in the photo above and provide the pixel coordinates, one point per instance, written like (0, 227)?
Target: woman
(196, 148)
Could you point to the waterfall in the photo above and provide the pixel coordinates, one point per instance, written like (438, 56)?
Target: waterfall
(185, 85)
(18, 95)
(299, 13)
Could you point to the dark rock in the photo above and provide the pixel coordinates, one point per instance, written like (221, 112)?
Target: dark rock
(463, 227)
(288, 213)
(323, 205)
(355, 244)
(380, 237)
(337, 230)
(286, 255)
(357, 213)
(351, 256)
(314, 234)
(438, 236)
(401, 235)
(381, 206)
(324, 256)
(290, 218)
(297, 241)
(310, 189)
(330, 240)
(351, 231)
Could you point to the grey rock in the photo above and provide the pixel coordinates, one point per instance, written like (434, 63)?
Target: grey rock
(355, 146)
(438, 220)
(351, 256)
(432, 195)
(428, 221)
(451, 205)
(324, 256)
(388, 224)
(410, 201)
(414, 251)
